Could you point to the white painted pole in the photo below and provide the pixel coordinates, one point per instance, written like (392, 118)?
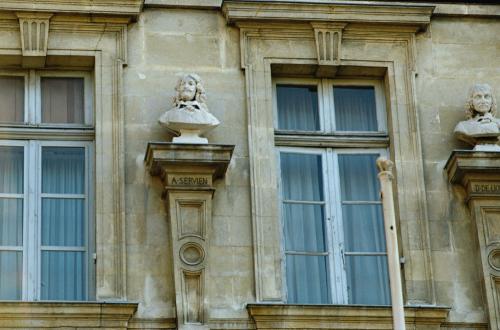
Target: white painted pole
(385, 176)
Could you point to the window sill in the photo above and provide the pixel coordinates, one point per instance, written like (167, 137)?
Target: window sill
(21, 314)
(280, 316)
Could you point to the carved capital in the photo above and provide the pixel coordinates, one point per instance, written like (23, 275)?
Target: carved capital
(328, 37)
(34, 31)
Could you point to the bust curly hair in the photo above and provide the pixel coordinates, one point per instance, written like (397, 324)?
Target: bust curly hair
(200, 96)
(470, 112)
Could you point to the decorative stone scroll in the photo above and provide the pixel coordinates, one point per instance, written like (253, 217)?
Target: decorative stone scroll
(34, 31)
(190, 116)
(482, 128)
(328, 38)
(188, 172)
(479, 173)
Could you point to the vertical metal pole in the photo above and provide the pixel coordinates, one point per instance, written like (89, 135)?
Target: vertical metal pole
(385, 176)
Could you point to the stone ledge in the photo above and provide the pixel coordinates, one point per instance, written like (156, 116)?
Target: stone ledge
(272, 316)
(361, 12)
(31, 315)
(112, 7)
(195, 4)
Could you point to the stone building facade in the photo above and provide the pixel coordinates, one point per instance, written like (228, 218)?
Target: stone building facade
(195, 236)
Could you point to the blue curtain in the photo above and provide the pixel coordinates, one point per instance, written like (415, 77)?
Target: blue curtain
(297, 108)
(355, 108)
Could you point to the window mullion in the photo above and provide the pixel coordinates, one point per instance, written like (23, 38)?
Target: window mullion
(31, 230)
(329, 229)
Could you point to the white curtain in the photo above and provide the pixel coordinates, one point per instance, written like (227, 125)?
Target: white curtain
(355, 109)
(12, 99)
(367, 275)
(297, 108)
(11, 221)
(62, 100)
(63, 224)
(306, 275)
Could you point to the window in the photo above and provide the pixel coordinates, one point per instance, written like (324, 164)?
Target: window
(46, 186)
(328, 134)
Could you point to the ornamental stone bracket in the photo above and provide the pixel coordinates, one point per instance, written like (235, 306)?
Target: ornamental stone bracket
(34, 32)
(188, 172)
(328, 38)
(479, 173)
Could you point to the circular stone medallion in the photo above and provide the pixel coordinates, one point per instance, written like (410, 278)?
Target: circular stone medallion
(192, 254)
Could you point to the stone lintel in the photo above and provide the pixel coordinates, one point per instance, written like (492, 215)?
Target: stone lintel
(276, 316)
(477, 171)
(66, 314)
(417, 15)
(185, 165)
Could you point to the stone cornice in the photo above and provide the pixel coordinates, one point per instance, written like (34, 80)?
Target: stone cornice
(130, 8)
(241, 11)
(66, 314)
(274, 316)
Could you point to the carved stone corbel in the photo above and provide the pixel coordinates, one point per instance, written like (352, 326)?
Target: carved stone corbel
(328, 38)
(34, 32)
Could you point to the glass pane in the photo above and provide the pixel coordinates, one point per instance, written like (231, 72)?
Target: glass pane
(63, 170)
(358, 177)
(367, 280)
(63, 275)
(11, 222)
(297, 107)
(12, 99)
(363, 228)
(11, 270)
(11, 169)
(63, 222)
(301, 177)
(306, 279)
(62, 100)
(304, 228)
(355, 109)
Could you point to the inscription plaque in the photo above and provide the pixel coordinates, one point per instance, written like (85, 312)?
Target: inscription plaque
(486, 188)
(189, 180)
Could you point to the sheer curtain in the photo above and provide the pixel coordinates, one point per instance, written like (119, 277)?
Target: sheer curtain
(12, 99)
(63, 263)
(62, 100)
(355, 109)
(364, 238)
(304, 233)
(11, 221)
(297, 108)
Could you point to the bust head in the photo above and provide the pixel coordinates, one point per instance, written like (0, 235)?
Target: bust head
(480, 102)
(190, 88)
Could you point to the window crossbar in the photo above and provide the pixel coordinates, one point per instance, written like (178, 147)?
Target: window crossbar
(291, 201)
(305, 253)
(11, 248)
(362, 202)
(63, 196)
(12, 196)
(365, 253)
(64, 248)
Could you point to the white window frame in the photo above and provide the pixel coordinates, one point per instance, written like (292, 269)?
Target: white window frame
(31, 248)
(337, 279)
(326, 101)
(32, 97)
(27, 135)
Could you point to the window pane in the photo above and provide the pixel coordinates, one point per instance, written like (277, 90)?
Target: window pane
(11, 266)
(355, 109)
(62, 100)
(11, 222)
(297, 107)
(367, 280)
(63, 222)
(363, 228)
(358, 177)
(304, 228)
(63, 275)
(301, 177)
(306, 279)
(12, 99)
(63, 170)
(11, 169)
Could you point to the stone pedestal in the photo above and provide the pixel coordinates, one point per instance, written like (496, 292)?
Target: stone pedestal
(188, 172)
(479, 173)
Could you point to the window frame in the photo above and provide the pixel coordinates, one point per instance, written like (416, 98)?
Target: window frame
(33, 135)
(326, 101)
(333, 218)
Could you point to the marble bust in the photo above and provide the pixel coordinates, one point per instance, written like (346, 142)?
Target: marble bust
(189, 118)
(482, 128)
